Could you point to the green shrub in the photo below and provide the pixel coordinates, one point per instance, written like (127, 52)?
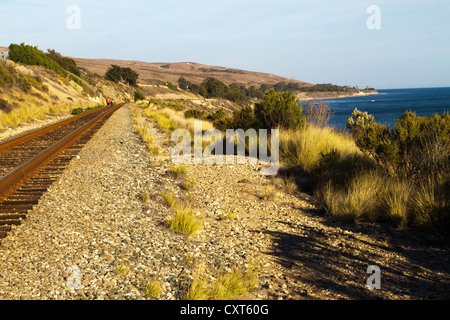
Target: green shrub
(77, 111)
(92, 108)
(214, 88)
(194, 113)
(245, 119)
(219, 114)
(66, 63)
(170, 85)
(279, 111)
(30, 55)
(5, 78)
(138, 95)
(183, 83)
(5, 106)
(424, 143)
(236, 93)
(418, 147)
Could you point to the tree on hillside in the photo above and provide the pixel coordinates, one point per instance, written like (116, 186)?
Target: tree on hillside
(214, 88)
(130, 76)
(183, 83)
(116, 73)
(236, 93)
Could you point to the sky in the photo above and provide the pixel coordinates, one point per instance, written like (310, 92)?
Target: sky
(383, 44)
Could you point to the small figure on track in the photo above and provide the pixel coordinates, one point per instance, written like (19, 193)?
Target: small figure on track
(108, 102)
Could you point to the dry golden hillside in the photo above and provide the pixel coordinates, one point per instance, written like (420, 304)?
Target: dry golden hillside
(153, 73)
(34, 92)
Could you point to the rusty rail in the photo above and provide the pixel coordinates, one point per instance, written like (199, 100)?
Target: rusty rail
(8, 144)
(12, 180)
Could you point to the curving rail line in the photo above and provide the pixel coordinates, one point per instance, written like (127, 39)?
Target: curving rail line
(40, 157)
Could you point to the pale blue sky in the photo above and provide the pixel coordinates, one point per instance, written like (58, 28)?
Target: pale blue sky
(317, 41)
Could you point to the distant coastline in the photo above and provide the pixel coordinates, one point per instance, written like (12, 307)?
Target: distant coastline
(307, 96)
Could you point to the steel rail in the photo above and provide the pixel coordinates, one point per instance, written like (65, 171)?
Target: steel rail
(13, 179)
(8, 144)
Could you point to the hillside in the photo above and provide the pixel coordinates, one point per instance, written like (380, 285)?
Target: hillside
(153, 74)
(157, 73)
(30, 93)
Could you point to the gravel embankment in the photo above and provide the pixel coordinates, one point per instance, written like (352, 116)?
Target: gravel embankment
(93, 218)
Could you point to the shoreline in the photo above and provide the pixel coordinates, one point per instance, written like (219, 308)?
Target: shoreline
(304, 96)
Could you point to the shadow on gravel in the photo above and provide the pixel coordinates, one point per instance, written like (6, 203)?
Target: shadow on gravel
(423, 274)
(340, 272)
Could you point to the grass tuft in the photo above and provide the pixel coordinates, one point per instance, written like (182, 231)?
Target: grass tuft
(357, 200)
(184, 221)
(153, 288)
(394, 202)
(178, 170)
(187, 185)
(225, 286)
(169, 198)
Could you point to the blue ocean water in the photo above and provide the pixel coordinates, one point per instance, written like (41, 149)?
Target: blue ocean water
(390, 104)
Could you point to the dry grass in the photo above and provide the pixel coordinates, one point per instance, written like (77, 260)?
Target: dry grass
(143, 131)
(288, 184)
(178, 171)
(170, 120)
(153, 288)
(169, 198)
(270, 193)
(27, 109)
(147, 138)
(227, 216)
(394, 202)
(304, 148)
(48, 95)
(163, 121)
(356, 201)
(145, 196)
(187, 185)
(180, 121)
(184, 221)
(123, 268)
(430, 206)
(226, 285)
(347, 185)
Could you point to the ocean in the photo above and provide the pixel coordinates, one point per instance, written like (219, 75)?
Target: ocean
(390, 104)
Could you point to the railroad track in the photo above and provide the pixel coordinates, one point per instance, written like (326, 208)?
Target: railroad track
(30, 163)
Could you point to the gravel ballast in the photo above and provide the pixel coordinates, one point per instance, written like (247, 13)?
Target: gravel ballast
(91, 225)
